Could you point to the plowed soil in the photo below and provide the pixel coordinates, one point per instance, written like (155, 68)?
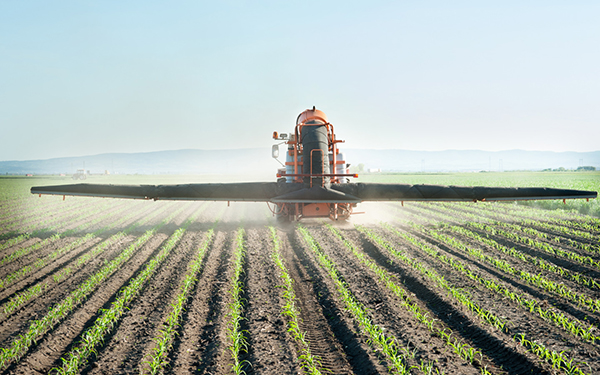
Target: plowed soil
(333, 333)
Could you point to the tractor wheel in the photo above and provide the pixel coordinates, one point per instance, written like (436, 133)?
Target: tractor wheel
(283, 213)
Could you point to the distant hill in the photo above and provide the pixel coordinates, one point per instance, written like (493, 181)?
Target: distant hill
(159, 162)
(258, 161)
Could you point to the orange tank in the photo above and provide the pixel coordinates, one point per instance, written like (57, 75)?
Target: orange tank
(311, 114)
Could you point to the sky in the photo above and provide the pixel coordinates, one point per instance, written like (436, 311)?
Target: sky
(91, 77)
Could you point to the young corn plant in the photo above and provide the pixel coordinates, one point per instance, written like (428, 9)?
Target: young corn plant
(484, 315)
(59, 311)
(308, 362)
(93, 337)
(164, 341)
(235, 333)
(20, 299)
(466, 352)
(575, 327)
(388, 345)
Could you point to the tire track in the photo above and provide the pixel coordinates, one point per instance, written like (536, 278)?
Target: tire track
(330, 335)
(500, 349)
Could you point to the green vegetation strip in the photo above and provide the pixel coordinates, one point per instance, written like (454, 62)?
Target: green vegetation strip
(59, 311)
(388, 345)
(20, 299)
(538, 262)
(27, 215)
(524, 225)
(308, 362)
(164, 342)
(558, 217)
(464, 351)
(573, 326)
(546, 247)
(39, 263)
(239, 343)
(43, 226)
(557, 360)
(26, 250)
(94, 336)
(48, 216)
(539, 281)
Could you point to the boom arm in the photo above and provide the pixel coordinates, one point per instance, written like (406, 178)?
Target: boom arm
(294, 193)
(406, 192)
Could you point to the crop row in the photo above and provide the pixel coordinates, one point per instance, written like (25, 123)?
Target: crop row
(235, 333)
(465, 351)
(157, 361)
(537, 280)
(28, 249)
(546, 247)
(42, 262)
(291, 311)
(43, 224)
(573, 326)
(397, 355)
(527, 226)
(536, 261)
(20, 299)
(557, 360)
(94, 336)
(20, 207)
(60, 310)
(21, 217)
(556, 217)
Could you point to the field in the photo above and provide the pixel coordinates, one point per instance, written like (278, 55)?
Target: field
(108, 286)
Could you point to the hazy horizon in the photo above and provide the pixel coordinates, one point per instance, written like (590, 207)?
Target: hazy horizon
(267, 149)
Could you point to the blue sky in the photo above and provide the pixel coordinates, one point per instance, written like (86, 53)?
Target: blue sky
(89, 77)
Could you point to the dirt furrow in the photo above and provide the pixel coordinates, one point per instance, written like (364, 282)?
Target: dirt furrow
(12, 325)
(271, 349)
(567, 306)
(387, 311)
(501, 350)
(200, 340)
(331, 334)
(520, 319)
(125, 348)
(47, 353)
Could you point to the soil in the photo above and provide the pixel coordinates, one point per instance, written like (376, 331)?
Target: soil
(334, 335)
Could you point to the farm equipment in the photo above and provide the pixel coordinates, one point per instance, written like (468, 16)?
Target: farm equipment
(314, 182)
(79, 175)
